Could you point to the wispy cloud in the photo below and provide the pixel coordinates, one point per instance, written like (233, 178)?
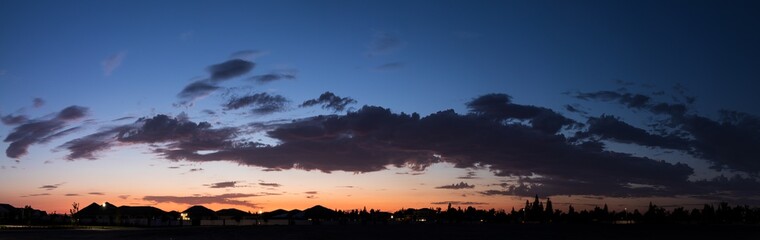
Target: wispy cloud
(38, 102)
(37, 195)
(275, 76)
(248, 54)
(389, 66)
(383, 43)
(113, 62)
(187, 35)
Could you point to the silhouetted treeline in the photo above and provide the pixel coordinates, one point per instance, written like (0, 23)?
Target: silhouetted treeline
(544, 212)
(536, 212)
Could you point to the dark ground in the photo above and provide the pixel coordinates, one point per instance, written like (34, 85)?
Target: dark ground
(401, 232)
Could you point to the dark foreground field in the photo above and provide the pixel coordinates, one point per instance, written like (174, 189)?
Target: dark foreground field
(401, 232)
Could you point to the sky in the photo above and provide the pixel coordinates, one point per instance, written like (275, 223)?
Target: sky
(261, 105)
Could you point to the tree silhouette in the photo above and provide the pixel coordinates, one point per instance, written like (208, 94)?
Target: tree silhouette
(74, 210)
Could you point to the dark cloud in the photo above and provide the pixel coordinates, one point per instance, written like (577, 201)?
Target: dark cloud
(732, 142)
(175, 132)
(196, 169)
(275, 76)
(72, 195)
(266, 184)
(72, 113)
(499, 107)
(311, 192)
(612, 128)
(86, 147)
(729, 142)
(510, 139)
(96, 193)
(458, 203)
(14, 120)
(329, 100)
(675, 110)
(196, 90)
(574, 109)
(461, 185)
(38, 102)
(51, 187)
(228, 184)
(372, 138)
(259, 103)
(637, 101)
(390, 66)
(41, 130)
(123, 196)
(229, 199)
(229, 69)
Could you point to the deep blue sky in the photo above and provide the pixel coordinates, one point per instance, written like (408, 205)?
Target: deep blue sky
(131, 59)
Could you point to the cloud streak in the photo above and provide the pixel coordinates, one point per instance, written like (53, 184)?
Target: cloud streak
(51, 187)
(275, 76)
(390, 66)
(266, 184)
(384, 43)
(39, 131)
(228, 184)
(229, 199)
(461, 185)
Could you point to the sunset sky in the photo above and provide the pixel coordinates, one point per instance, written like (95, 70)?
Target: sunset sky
(260, 105)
